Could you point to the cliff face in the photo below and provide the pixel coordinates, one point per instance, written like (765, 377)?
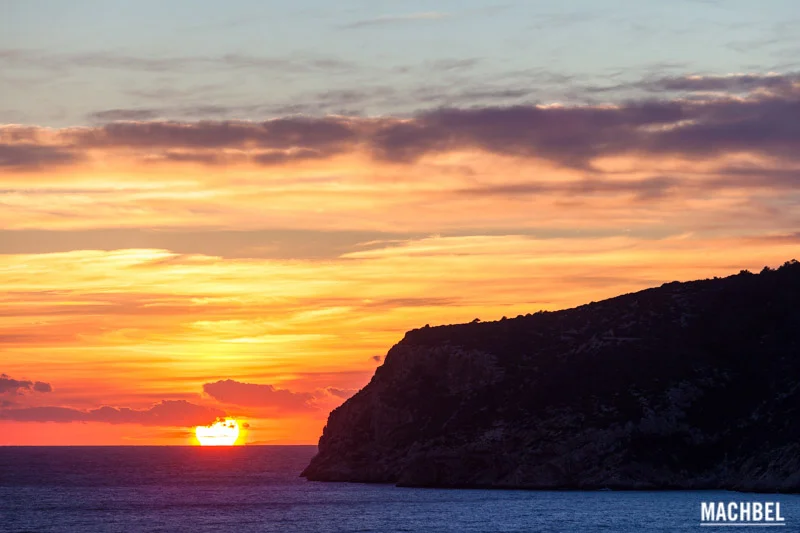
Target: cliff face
(688, 385)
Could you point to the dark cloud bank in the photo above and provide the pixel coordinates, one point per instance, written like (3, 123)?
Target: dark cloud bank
(763, 122)
(165, 413)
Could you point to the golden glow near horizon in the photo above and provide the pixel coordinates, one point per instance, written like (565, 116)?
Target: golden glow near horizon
(220, 433)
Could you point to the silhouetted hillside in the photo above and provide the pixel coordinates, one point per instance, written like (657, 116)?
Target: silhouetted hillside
(687, 385)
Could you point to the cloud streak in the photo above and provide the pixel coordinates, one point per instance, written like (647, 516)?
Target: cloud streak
(732, 83)
(165, 413)
(394, 19)
(55, 62)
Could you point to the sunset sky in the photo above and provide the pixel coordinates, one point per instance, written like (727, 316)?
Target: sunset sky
(214, 209)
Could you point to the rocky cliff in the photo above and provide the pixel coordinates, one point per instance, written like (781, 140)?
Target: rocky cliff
(688, 385)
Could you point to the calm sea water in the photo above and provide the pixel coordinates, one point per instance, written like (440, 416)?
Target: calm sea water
(242, 489)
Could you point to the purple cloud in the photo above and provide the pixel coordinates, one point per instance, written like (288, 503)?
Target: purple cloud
(736, 83)
(40, 386)
(15, 386)
(32, 156)
(124, 114)
(165, 413)
(341, 393)
(279, 134)
(260, 396)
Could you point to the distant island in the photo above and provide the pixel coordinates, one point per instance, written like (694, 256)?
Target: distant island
(685, 386)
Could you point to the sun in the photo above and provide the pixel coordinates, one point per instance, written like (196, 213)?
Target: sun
(220, 433)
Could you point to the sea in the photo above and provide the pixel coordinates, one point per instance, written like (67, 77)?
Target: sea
(258, 488)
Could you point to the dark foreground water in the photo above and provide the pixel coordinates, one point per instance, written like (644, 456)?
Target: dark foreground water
(242, 489)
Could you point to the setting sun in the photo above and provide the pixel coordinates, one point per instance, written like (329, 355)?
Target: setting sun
(220, 433)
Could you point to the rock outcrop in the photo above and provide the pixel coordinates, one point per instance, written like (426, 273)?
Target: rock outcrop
(684, 386)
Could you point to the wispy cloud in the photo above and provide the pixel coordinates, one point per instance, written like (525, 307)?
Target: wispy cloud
(733, 84)
(393, 19)
(64, 62)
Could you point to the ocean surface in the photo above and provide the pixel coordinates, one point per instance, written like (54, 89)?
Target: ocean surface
(257, 488)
